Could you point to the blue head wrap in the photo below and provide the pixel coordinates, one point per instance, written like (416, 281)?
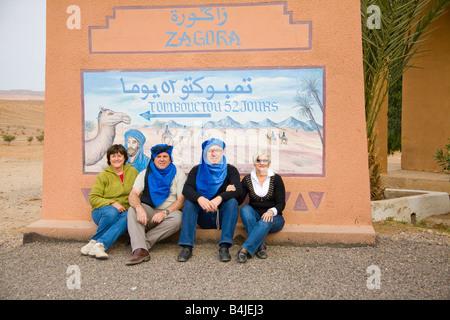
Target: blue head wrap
(159, 180)
(141, 161)
(137, 134)
(210, 176)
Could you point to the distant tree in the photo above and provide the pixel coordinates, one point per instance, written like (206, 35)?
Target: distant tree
(89, 126)
(158, 125)
(8, 138)
(40, 137)
(30, 139)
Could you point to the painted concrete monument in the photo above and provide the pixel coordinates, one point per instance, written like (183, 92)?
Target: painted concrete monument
(284, 76)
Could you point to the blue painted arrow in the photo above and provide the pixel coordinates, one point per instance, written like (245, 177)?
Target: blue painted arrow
(147, 115)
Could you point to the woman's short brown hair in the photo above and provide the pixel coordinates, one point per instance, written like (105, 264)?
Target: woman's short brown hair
(116, 148)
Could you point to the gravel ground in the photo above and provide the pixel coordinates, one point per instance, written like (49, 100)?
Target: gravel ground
(409, 265)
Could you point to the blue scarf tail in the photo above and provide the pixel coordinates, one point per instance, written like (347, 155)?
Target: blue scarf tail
(159, 180)
(210, 177)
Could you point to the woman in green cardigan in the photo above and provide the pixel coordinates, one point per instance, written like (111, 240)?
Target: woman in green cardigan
(109, 201)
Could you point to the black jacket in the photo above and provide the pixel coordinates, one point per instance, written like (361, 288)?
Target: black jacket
(233, 177)
(275, 197)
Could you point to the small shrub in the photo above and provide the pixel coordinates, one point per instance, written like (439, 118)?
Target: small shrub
(40, 138)
(443, 157)
(8, 138)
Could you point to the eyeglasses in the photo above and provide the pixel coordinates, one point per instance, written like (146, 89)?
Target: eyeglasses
(217, 150)
(262, 161)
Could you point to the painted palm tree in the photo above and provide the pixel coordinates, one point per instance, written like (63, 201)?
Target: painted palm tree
(303, 102)
(312, 85)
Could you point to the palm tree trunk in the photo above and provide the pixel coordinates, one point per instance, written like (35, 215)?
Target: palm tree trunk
(376, 186)
(315, 123)
(316, 97)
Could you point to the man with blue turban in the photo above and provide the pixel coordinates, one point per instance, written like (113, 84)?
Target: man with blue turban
(208, 203)
(155, 200)
(134, 143)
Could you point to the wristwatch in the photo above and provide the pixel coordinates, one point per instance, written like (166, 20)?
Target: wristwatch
(166, 211)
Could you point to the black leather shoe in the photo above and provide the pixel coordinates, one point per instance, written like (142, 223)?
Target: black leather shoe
(185, 254)
(261, 253)
(224, 255)
(242, 256)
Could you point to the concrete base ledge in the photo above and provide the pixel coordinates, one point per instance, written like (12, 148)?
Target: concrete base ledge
(291, 234)
(59, 230)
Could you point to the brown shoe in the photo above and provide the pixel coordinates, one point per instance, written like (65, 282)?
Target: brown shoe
(139, 255)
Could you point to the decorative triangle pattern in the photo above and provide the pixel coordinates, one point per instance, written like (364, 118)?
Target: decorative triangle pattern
(316, 198)
(300, 204)
(86, 193)
(287, 195)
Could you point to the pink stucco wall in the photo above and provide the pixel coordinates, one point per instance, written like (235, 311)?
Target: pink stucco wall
(343, 191)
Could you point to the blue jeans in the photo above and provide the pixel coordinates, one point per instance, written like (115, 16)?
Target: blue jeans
(111, 225)
(193, 214)
(257, 229)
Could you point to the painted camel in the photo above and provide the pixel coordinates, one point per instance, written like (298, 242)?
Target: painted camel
(96, 148)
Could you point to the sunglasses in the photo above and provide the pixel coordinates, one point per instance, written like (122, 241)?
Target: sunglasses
(262, 160)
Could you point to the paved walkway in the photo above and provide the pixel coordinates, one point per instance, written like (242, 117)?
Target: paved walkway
(397, 178)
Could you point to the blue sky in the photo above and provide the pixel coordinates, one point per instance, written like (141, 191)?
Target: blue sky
(22, 37)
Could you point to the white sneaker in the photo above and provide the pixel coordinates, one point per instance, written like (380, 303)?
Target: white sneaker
(85, 250)
(98, 251)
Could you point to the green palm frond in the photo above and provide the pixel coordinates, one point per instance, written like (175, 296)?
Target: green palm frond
(387, 51)
(403, 30)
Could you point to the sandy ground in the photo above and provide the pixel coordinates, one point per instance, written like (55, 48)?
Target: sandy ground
(21, 172)
(20, 191)
(21, 169)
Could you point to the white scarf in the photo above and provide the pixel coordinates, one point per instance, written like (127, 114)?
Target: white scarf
(261, 190)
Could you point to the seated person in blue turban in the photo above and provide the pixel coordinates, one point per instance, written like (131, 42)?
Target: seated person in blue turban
(134, 143)
(155, 200)
(208, 204)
